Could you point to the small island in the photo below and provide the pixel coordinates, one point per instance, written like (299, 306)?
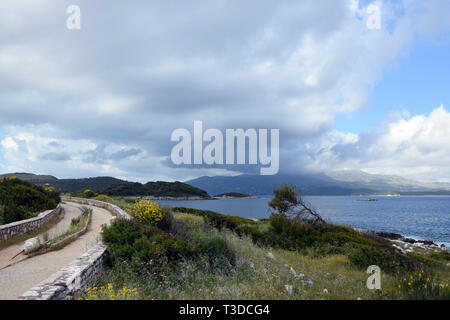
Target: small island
(367, 199)
(233, 195)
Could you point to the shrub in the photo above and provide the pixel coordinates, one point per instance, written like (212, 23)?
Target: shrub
(166, 221)
(88, 193)
(103, 197)
(219, 253)
(145, 211)
(387, 259)
(131, 241)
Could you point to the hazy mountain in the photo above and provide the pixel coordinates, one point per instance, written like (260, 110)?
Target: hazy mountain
(329, 183)
(384, 182)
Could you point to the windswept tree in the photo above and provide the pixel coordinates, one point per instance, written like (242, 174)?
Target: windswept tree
(288, 202)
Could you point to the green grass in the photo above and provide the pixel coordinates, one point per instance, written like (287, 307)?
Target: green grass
(206, 255)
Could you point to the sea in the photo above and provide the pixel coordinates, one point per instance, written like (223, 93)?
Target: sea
(417, 217)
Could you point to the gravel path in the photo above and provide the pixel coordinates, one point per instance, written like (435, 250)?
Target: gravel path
(26, 273)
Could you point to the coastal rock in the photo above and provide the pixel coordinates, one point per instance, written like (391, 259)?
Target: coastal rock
(308, 282)
(271, 256)
(325, 291)
(293, 272)
(399, 248)
(289, 289)
(423, 242)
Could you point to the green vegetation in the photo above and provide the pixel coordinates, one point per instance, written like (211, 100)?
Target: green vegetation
(68, 185)
(198, 254)
(21, 200)
(155, 189)
(88, 193)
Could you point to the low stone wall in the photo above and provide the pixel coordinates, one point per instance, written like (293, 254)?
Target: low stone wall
(10, 230)
(82, 272)
(77, 276)
(115, 210)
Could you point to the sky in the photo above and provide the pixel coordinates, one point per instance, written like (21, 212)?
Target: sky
(104, 99)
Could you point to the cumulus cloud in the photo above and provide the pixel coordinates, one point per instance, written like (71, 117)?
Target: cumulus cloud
(415, 147)
(105, 99)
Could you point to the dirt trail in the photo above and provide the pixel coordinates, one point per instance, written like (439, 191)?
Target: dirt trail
(21, 276)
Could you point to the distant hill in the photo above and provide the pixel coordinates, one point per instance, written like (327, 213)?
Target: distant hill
(385, 182)
(113, 186)
(156, 189)
(329, 183)
(68, 185)
(38, 179)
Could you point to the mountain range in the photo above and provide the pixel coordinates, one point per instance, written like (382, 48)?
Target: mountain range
(348, 182)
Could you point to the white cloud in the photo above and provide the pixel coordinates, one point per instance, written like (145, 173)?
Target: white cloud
(415, 147)
(133, 74)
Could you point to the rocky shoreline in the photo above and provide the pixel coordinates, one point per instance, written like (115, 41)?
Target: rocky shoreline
(404, 244)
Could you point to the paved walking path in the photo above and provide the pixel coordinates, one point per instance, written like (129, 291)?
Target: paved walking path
(26, 273)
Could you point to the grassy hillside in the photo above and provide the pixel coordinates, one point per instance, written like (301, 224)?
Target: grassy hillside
(156, 189)
(197, 254)
(79, 185)
(22, 200)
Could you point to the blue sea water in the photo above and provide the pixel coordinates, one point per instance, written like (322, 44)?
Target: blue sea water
(418, 217)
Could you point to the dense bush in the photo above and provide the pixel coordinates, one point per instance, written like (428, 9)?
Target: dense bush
(157, 189)
(23, 200)
(146, 212)
(131, 241)
(144, 245)
(88, 193)
(292, 234)
(220, 256)
(166, 221)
